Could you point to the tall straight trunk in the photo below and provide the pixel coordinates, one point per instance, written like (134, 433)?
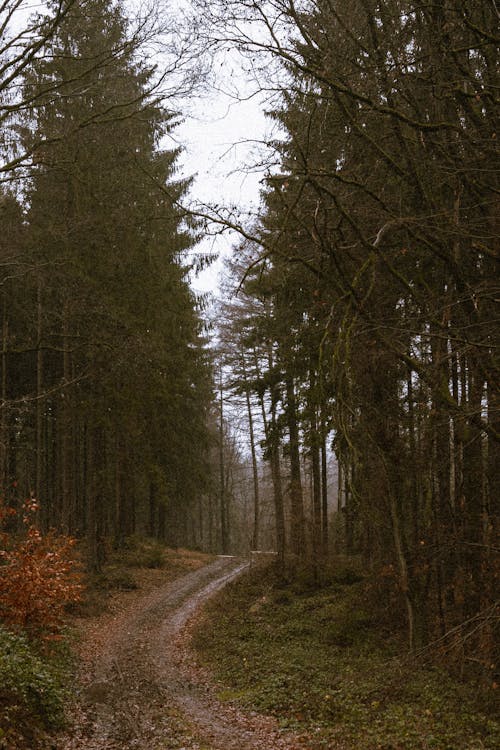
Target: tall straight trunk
(315, 447)
(200, 539)
(255, 473)
(162, 522)
(120, 520)
(456, 485)
(4, 432)
(415, 614)
(474, 515)
(491, 526)
(413, 469)
(440, 466)
(297, 520)
(349, 509)
(271, 430)
(95, 451)
(324, 494)
(279, 506)
(67, 510)
(316, 493)
(315, 440)
(81, 476)
(340, 479)
(229, 493)
(152, 508)
(492, 443)
(39, 402)
(50, 489)
(222, 477)
(211, 523)
(493, 464)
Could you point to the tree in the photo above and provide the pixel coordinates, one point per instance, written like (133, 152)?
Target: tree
(384, 203)
(113, 354)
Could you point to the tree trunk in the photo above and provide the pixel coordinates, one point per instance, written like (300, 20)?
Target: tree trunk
(255, 473)
(39, 401)
(271, 430)
(297, 537)
(4, 430)
(324, 495)
(66, 431)
(95, 542)
(152, 508)
(222, 477)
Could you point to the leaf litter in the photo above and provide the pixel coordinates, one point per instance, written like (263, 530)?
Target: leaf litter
(138, 683)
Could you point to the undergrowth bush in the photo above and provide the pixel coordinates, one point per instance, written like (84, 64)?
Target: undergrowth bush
(38, 575)
(27, 683)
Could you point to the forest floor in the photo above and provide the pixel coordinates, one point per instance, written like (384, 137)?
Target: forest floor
(137, 683)
(327, 655)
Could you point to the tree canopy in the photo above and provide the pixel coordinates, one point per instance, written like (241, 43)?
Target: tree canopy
(377, 254)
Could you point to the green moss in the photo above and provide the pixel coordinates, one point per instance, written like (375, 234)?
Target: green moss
(320, 662)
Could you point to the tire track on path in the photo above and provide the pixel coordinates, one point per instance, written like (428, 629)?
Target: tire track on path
(137, 688)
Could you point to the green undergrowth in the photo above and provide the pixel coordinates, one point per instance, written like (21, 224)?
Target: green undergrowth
(324, 663)
(37, 672)
(33, 688)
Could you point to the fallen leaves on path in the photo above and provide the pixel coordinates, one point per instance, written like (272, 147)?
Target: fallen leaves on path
(139, 686)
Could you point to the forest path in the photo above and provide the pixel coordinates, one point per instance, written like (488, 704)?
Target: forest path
(138, 685)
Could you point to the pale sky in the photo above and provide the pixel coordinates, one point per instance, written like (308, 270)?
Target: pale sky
(219, 136)
(219, 139)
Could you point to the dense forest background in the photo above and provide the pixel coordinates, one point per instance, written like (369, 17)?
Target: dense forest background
(106, 379)
(357, 336)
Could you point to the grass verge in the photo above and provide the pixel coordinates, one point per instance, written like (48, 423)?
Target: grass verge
(323, 663)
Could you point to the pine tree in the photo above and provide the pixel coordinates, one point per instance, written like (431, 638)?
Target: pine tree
(118, 438)
(384, 204)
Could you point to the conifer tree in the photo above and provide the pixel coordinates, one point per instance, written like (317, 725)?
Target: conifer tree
(385, 205)
(118, 438)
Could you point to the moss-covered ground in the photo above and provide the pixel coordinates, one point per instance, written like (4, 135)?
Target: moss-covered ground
(325, 662)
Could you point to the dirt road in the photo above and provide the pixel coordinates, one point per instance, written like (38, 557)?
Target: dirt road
(138, 687)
